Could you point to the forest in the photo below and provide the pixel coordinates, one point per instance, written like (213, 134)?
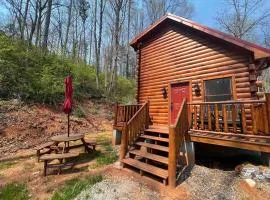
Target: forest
(43, 40)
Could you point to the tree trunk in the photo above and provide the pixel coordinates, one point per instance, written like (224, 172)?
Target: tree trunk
(68, 25)
(24, 18)
(34, 24)
(47, 25)
(128, 37)
(96, 45)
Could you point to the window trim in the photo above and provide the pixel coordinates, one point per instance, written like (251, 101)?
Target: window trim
(219, 77)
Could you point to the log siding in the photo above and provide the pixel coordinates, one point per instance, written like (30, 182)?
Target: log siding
(178, 53)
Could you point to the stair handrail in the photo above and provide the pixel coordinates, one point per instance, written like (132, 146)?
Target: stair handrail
(177, 132)
(132, 128)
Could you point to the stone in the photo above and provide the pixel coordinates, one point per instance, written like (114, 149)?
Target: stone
(249, 171)
(251, 183)
(266, 174)
(259, 177)
(117, 165)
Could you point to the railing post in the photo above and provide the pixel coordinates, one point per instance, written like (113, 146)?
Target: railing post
(172, 158)
(267, 98)
(124, 141)
(116, 113)
(147, 114)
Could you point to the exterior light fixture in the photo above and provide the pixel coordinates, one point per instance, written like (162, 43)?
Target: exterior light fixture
(197, 89)
(164, 93)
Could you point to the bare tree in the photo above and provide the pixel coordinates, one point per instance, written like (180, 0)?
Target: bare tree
(241, 18)
(157, 8)
(128, 37)
(266, 33)
(83, 12)
(119, 9)
(98, 36)
(68, 25)
(47, 25)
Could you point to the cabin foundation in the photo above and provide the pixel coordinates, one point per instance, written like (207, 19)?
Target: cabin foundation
(266, 158)
(116, 140)
(187, 153)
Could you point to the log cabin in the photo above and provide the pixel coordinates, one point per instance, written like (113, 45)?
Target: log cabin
(195, 84)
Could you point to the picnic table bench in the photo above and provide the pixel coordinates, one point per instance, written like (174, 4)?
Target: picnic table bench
(62, 152)
(47, 158)
(43, 149)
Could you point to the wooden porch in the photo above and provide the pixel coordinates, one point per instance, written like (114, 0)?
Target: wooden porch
(238, 124)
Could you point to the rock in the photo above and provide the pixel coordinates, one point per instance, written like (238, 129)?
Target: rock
(266, 173)
(250, 182)
(249, 171)
(117, 165)
(260, 177)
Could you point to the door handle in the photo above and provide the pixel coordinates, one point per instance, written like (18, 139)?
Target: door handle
(171, 106)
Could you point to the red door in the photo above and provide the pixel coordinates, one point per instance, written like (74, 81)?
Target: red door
(179, 91)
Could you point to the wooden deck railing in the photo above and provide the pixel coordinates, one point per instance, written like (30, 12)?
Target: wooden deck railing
(138, 122)
(123, 113)
(177, 133)
(241, 117)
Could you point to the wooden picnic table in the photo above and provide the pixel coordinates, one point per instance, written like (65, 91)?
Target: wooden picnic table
(66, 139)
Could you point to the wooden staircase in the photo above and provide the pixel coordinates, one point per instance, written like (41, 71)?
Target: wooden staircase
(153, 149)
(150, 153)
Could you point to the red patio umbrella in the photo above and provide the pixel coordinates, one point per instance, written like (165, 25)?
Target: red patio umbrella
(68, 100)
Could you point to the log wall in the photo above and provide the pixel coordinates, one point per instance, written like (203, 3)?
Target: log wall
(178, 53)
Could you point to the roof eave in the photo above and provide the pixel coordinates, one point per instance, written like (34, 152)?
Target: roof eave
(259, 52)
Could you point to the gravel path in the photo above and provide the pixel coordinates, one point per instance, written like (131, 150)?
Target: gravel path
(118, 189)
(204, 183)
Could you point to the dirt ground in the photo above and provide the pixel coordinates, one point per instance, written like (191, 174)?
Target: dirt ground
(24, 126)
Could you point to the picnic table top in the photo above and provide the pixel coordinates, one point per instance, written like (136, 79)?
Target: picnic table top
(42, 146)
(65, 138)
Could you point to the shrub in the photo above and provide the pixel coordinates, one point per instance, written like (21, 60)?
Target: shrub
(27, 73)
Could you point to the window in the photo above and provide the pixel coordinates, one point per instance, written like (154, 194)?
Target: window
(218, 89)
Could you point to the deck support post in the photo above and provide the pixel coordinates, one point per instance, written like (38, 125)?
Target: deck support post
(124, 139)
(266, 158)
(267, 98)
(172, 158)
(115, 113)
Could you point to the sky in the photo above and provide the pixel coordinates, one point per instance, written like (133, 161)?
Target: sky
(205, 11)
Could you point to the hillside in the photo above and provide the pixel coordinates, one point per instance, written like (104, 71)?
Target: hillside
(23, 126)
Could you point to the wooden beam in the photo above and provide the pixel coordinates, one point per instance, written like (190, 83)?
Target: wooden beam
(172, 160)
(209, 118)
(225, 119)
(267, 98)
(230, 143)
(216, 117)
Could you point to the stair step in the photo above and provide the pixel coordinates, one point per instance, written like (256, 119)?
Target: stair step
(157, 130)
(155, 138)
(150, 156)
(146, 167)
(153, 146)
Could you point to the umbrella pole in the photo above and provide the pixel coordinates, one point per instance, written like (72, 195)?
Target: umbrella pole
(68, 125)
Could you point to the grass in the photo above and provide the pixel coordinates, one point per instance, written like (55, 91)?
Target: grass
(94, 109)
(6, 165)
(104, 140)
(14, 191)
(105, 158)
(79, 112)
(75, 186)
